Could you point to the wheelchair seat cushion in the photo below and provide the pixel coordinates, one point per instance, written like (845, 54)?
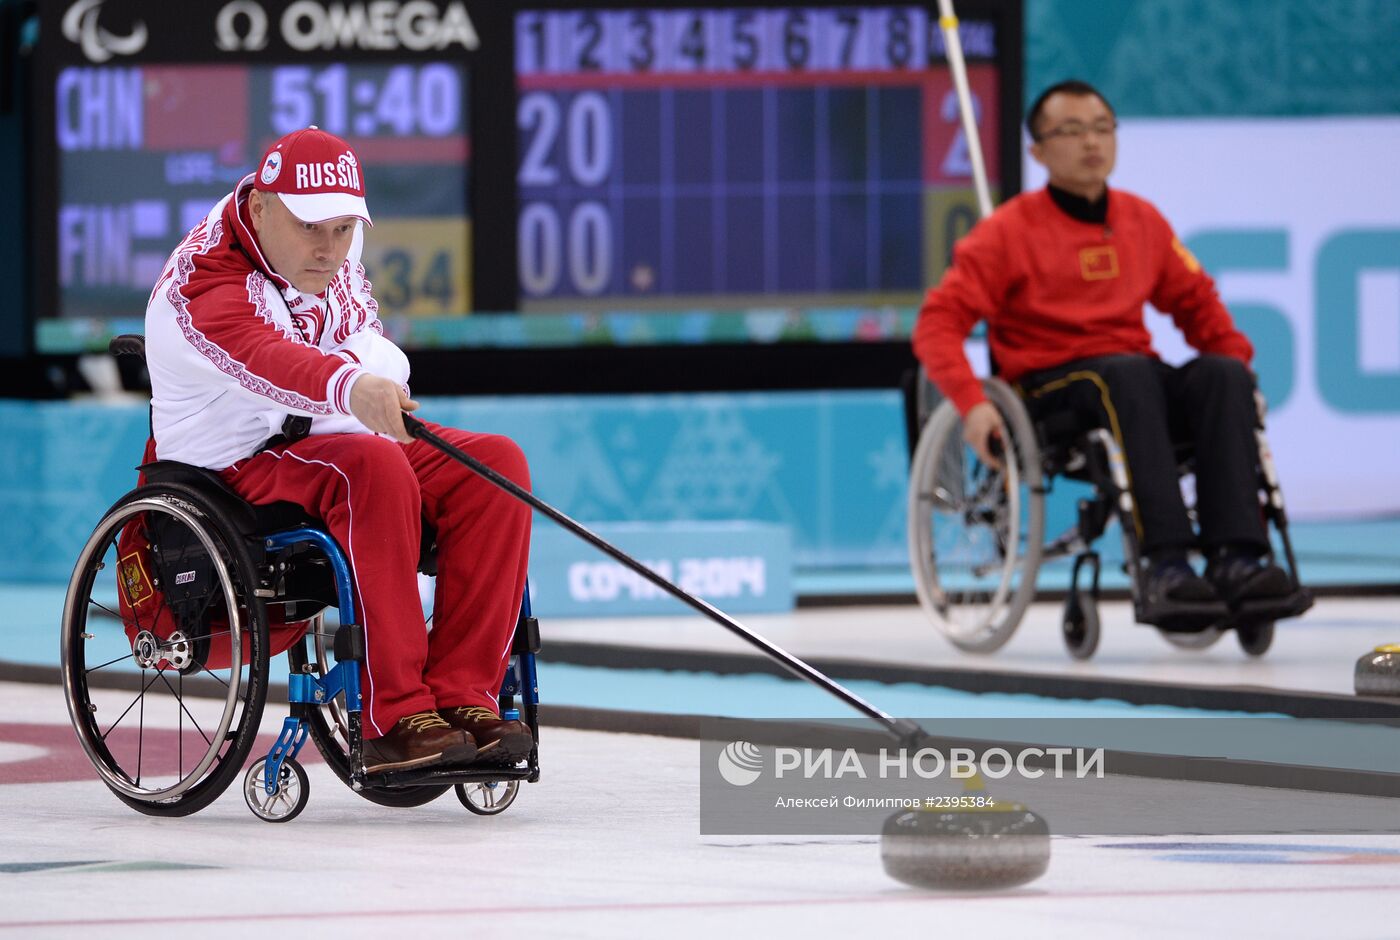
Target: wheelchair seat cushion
(1061, 434)
(251, 519)
(254, 520)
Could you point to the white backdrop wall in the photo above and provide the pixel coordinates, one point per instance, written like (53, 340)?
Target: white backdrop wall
(1299, 221)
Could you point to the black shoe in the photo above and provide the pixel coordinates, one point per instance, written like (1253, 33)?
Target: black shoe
(1176, 599)
(1173, 579)
(1247, 581)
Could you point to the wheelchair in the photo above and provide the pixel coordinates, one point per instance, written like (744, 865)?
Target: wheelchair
(179, 600)
(977, 533)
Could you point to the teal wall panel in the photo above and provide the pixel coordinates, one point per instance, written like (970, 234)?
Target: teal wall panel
(740, 567)
(1183, 58)
(61, 466)
(829, 466)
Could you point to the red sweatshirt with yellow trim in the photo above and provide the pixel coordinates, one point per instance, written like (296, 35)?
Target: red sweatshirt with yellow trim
(1054, 289)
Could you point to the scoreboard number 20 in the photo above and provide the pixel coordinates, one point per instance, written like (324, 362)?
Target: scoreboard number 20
(576, 140)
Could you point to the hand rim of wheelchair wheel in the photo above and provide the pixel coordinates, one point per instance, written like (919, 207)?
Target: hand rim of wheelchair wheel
(998, 615)
(286, 803)
(83, 578)
(939, 602)
(490, 803)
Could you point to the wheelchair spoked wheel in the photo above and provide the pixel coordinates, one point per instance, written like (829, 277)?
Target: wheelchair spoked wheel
(165, 692)
(975, 532)
(330, 731)
(490, 798)
(1205, 639)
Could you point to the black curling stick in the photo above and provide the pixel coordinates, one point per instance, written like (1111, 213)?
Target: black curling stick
(907, 731)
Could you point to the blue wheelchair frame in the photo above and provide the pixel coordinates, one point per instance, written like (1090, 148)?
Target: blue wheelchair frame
(306, 691)
(266, 570)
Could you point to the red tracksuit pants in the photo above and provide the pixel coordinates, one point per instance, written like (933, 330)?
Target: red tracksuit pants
(372, 494)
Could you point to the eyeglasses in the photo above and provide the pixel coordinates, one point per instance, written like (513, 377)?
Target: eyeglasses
(1075, 130)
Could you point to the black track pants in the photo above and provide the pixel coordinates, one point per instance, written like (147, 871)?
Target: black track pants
(1146, 405)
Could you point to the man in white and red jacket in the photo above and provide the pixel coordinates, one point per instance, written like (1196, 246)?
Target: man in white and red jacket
(263, 312)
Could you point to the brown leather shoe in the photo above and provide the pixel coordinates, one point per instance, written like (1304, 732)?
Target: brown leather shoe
(420, 740)
(496, 738)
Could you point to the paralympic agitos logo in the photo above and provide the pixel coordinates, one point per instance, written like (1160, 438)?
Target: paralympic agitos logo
(81, 26)
(417, 25)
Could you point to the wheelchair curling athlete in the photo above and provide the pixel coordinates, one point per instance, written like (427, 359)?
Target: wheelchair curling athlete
(262, 314)
(1060, 276)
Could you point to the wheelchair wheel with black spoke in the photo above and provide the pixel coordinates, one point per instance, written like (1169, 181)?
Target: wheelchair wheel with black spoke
(164, 650)
(330, 729)
(976, 531)
(1080, 628)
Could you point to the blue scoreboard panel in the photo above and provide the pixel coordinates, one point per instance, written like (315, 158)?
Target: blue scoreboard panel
(144, 151)
(735, 157)
(744, 193)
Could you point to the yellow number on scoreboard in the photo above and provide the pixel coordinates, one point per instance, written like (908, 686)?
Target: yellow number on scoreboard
(949, 214)
(419, 266)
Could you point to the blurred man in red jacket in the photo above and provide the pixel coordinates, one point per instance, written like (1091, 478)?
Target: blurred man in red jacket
(1060, 276)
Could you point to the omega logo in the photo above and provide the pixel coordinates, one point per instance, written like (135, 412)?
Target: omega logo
(226, 26)
(380, 24)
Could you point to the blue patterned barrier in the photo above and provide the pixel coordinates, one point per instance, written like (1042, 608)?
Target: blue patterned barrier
(831, 467)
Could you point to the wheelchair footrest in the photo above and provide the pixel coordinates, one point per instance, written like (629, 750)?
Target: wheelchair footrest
(1274, 608)
(447, 776)
(1182, 616)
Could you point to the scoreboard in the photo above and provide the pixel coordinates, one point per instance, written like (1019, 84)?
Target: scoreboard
(145, 151)
(741, 157)
(677, 165)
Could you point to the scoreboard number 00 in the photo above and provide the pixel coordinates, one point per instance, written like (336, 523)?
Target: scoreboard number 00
(576, 240)
(544, 242)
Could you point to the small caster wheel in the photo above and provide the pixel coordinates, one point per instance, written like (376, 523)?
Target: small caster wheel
(1194, 641)
(1255, 638)
(1080, 628)
(488, 799)
(293, 790)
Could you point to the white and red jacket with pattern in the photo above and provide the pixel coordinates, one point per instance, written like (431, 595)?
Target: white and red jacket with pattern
(233, 348)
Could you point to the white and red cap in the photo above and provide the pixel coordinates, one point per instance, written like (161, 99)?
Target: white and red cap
(317, 176)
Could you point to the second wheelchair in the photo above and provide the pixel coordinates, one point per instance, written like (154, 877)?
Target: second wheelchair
(977, 533)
